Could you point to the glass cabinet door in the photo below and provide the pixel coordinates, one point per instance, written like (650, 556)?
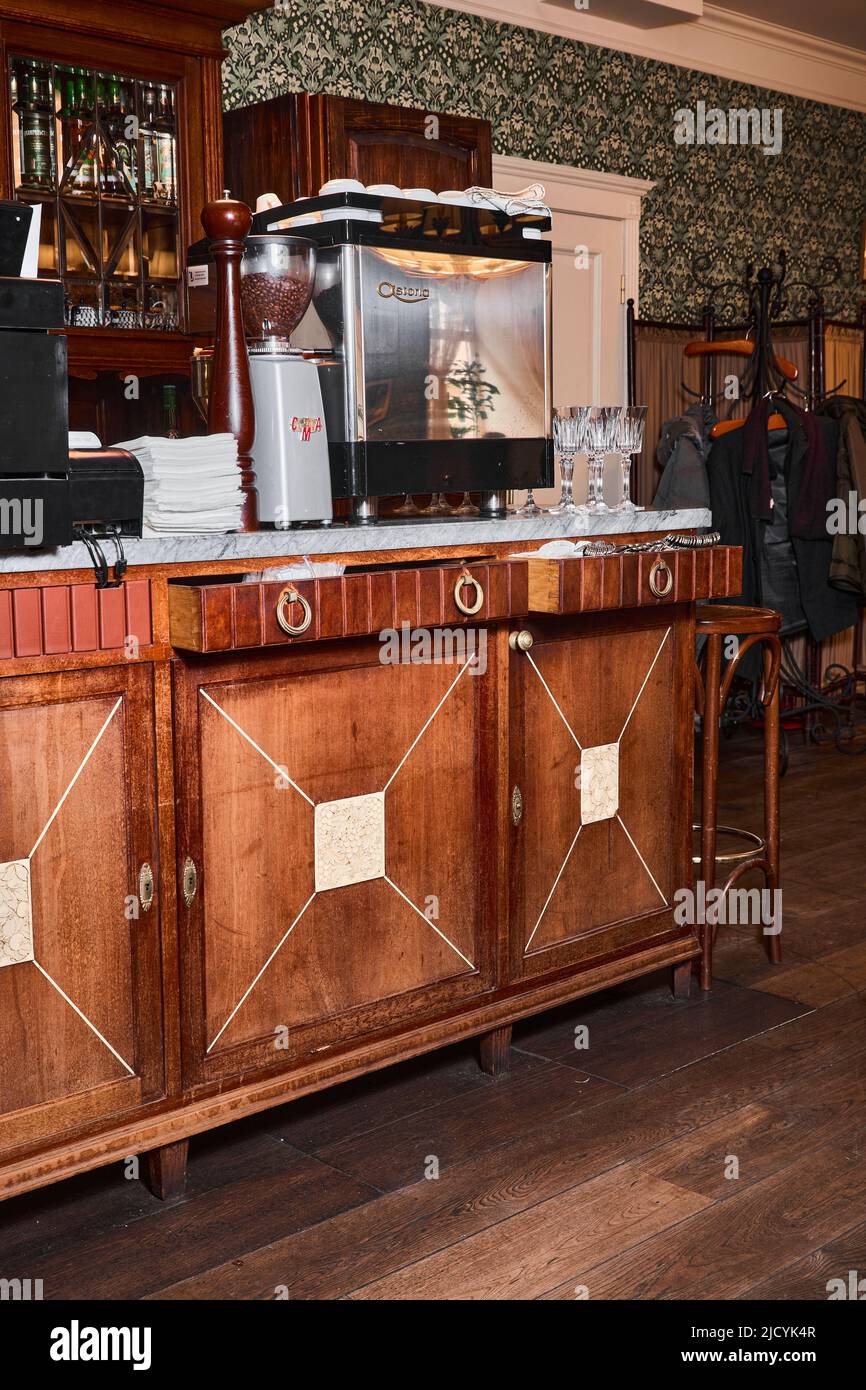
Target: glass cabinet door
(97, 152)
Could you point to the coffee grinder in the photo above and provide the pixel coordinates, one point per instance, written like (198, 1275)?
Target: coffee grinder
(290, 450)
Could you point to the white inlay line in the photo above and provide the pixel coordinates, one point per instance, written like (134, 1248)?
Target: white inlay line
(465, 667)
(85, 760)
(274, 952)
(645, 679)
(555, 705)
(553, 889)
(84, 1018)
(251, 741)
(642, 860)
(426, 919)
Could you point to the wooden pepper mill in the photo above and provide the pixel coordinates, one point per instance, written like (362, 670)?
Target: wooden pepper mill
(230, 401)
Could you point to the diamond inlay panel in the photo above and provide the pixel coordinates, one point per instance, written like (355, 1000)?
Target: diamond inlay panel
(350, 840)
(16, 924)
(599, 783)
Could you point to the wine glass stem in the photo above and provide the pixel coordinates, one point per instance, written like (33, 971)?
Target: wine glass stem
(596, 472)
(567, 466)
(626, 479)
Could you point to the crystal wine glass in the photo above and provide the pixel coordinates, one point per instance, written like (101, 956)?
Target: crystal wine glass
(601, 436)
(407, 506)
(629, 441)
(467, 507)
(530, 506)
(569, 430)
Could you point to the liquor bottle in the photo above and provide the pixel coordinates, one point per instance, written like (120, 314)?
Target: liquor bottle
(165, 145)
(69, 122)
(118, 120)
(169, 412)
(84, 180)
(149, 174)
(35, 108)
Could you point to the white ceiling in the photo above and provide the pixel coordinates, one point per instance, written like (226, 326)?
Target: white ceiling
(841, 21)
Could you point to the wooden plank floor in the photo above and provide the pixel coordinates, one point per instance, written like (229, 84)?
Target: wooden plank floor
(706, 1148)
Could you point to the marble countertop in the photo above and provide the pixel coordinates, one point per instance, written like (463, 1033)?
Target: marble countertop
(341, 539)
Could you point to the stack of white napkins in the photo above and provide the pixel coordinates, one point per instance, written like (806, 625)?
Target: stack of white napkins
(190, 485)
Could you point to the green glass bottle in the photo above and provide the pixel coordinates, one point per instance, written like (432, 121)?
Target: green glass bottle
(169, 412)
(118, 123)
(35, 114)
(85, 176)
(149, 171)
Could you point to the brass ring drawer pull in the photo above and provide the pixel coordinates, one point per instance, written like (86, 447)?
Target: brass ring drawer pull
(468, 608)
(661, 579)
(286, 599)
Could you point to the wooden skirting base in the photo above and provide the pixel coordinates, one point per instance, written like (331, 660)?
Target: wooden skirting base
(170, 1123)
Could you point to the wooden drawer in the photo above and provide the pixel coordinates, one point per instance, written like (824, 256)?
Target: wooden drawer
(596, 583)
(225, 617)
(59, 619)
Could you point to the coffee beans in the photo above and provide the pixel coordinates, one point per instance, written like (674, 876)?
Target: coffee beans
(273, 305)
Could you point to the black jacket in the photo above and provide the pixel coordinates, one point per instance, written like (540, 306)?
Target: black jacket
(795, 583)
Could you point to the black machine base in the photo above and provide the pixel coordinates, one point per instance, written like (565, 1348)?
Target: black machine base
(385, 468)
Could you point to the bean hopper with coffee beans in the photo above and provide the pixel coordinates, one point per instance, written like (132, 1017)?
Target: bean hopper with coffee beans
(290, 449)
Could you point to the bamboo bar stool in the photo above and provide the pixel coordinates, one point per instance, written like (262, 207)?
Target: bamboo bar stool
(756, 627)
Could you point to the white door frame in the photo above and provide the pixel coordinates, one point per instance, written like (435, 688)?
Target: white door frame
(587, 192)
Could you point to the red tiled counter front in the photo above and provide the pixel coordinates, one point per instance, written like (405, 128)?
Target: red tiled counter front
(61, 619)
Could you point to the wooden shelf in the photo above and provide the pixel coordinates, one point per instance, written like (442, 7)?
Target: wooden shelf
(142, 352)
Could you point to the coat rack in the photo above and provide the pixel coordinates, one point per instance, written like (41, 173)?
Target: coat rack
(749, 307)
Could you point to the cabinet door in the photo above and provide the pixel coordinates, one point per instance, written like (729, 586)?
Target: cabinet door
(601, 729)
(294, 143)
(338, 813)
(80, 996)
(377, 143)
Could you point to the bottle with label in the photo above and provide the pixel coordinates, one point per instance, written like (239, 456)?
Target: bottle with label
(169, 412)
(147, 131)
(165, 145)
(118, 126)
(84, 180)
(69, 123)
(35, 109)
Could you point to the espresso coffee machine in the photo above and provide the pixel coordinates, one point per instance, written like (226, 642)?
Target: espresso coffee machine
(290, 450)
(429, 325)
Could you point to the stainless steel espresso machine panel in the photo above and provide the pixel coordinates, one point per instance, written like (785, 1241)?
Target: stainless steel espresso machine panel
(431, 346)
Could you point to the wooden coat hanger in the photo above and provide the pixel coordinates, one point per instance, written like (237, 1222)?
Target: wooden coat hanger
(739, 347)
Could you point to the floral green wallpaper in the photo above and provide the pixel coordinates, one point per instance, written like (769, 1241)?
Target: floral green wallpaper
(555, 99)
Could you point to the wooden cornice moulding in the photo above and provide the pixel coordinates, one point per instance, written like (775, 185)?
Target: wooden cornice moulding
(192, 26)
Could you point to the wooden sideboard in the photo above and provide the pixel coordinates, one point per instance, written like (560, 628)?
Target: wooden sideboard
(240, 863)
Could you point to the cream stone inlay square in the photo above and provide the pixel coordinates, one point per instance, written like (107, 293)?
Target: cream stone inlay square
(350, 840)
(16, 924)
(599, 783)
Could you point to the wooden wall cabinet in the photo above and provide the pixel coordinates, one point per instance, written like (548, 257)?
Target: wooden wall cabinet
(176, 45)
(292, 144)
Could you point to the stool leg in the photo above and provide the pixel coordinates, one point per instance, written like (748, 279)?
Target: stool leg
(771, 794)
(709, 793)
